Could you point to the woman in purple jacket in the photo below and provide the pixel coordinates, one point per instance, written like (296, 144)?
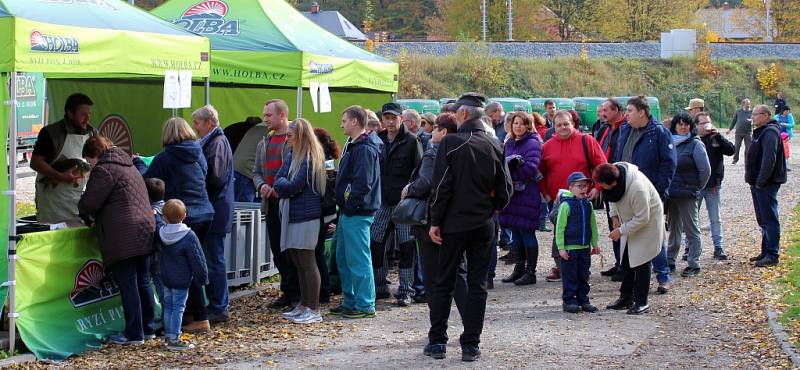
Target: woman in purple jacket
(523, 153)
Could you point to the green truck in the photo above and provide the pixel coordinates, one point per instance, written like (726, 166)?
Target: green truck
(655, 106)
(420, 105)
(513, 104)
(561, 103)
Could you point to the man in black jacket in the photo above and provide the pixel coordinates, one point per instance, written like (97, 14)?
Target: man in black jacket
(717, 146)
(470, 181)
(765, 171)
(402, 152)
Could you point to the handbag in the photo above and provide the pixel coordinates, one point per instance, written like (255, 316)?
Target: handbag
(597, 203)
(411, 211)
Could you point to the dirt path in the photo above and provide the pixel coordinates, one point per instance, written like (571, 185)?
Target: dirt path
(715, 320)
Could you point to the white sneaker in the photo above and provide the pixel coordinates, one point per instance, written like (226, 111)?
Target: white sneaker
(309, 316)
(296, 311)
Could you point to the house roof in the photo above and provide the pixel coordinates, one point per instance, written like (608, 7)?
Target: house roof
(737, 23)
(337, 24)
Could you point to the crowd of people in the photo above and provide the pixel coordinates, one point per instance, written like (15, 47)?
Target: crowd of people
(437, 194)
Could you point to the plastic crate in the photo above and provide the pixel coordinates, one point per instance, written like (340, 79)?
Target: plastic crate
(262, 265)
(239, 247)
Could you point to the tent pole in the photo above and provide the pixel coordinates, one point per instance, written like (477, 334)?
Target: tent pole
(208, 90)
(12, 224)
(299, 101)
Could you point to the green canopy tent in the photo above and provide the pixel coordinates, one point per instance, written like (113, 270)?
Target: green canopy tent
(86, 39)
(265, 49)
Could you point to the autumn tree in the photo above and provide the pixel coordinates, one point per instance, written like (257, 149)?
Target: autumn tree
(784, 16)
(571, 15)
(461, 20)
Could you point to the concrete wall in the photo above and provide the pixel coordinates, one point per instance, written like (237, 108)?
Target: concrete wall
(639, 50)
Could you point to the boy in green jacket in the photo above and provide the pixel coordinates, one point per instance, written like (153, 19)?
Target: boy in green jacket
(576, 237)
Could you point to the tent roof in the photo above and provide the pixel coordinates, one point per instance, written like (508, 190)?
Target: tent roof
(94, 38)
(269, 42)
(259, 25)
(335, 23)
(103, 14)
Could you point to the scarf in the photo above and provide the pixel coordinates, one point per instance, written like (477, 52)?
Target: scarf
(614, 194)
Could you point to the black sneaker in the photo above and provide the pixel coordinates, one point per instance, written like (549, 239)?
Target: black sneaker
(690, 271)
(470, 353)
(620, 304)
(436, 351)
(403, 302)
(720, 255)
(340, 310)
(767, 262)
(588, 307)
(420, 298)
(756, 258)
(638, 309)
(216, 318)
(610, 272)
(355, 315)
(281, 303)
(571, 308)
(178, 345)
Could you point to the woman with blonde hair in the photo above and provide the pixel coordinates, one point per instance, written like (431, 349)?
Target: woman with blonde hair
(300, 183)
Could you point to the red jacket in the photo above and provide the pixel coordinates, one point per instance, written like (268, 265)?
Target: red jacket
(561, 157)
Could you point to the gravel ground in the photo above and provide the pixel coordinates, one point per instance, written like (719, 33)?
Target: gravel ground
(713, 320)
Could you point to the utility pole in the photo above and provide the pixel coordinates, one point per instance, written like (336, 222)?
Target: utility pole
(510, 20)
(483, 18)
(767, 4)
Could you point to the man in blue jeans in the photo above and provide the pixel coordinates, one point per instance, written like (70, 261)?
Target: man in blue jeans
(765, 171)
(219, 184)
(358, 195)
(643, 141)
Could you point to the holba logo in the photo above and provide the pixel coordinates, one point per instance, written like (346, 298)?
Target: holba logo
(54, 44)
(320, 68)
(208, 18)
(92, 285)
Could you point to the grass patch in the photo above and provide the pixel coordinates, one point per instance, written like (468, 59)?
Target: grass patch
(788, 283)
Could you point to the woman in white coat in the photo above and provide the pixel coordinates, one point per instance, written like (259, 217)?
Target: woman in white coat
(638, 219)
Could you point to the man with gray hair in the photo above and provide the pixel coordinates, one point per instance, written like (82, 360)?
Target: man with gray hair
(743, 124)
(412, 121)
(219, 185)
(494, 111)
(472, 182)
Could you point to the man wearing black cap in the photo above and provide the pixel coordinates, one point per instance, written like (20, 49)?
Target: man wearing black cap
(401, 154)
(471, 183)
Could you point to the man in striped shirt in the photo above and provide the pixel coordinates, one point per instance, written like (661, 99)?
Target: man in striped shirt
(269, 157)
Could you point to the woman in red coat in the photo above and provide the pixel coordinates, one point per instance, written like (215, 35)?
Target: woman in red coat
(563, 155)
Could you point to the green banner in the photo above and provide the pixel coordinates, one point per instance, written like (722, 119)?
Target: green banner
(139, 104)
(65, 300)
(30, 104)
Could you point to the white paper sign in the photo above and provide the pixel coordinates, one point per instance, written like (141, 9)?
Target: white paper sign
(172, 90)
(185, 78)
(177, 89)
(324, 98)
(313, 88)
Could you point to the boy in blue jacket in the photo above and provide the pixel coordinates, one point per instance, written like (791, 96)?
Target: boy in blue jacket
(181, 258)
(576, 235)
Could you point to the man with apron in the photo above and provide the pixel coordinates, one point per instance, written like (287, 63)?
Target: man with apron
(61, 140)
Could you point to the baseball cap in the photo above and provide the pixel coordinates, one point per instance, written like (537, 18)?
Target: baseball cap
(696, 103)
(471, 99)
(391, 108)
(578, 176)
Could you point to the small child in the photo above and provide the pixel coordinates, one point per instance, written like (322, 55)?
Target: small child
(576, 234)
(155, 191)
(181, 259)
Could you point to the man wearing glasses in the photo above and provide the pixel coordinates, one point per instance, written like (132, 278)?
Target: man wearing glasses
(765, 171)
